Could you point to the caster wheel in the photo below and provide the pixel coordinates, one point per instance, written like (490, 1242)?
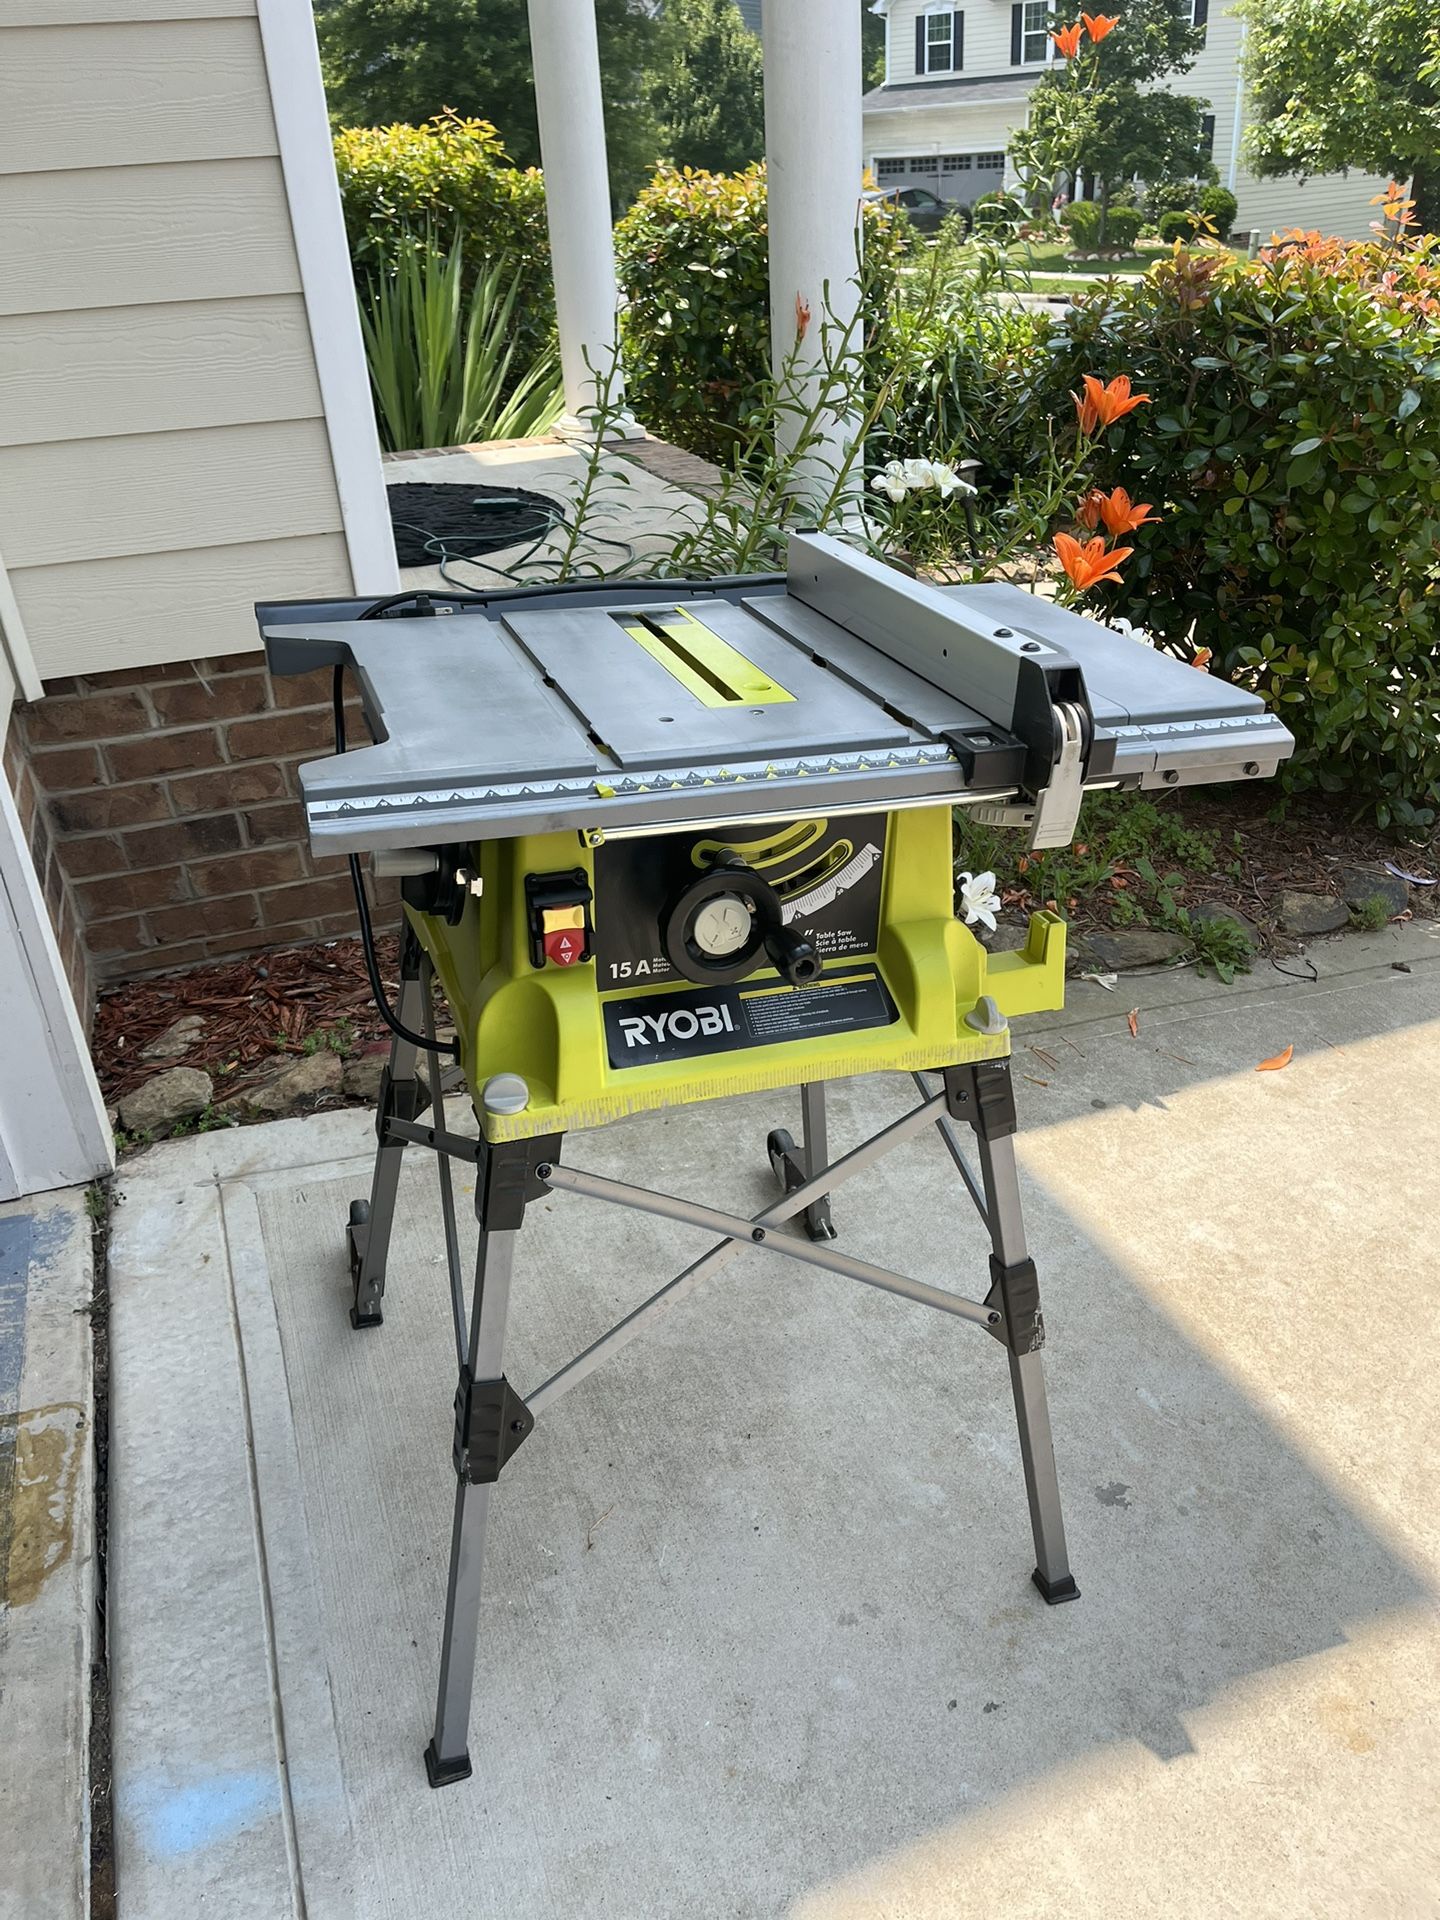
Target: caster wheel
(778, 1145)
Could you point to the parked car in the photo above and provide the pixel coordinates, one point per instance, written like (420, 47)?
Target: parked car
(924, 210)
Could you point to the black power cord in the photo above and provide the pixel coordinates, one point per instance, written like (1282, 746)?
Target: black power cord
(357, 878)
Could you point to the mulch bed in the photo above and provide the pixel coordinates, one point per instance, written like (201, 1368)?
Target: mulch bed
(256, 1010)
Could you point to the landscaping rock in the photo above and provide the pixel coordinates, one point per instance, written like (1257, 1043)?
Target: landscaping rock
(1217, 910)
(1310, 913)
(112, 1118)
(166, 1098)
(1120, 949)
(361, 1077)
(294, 1085)
(1360, 885)
(1005, 939)
(177, 1039)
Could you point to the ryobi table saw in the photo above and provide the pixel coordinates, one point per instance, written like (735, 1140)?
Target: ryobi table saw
(662, 842)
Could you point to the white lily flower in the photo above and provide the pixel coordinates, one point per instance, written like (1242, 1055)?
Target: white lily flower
(947, 481)
(1142, 634)
(892, 480)
(920, 473)
(978, 899)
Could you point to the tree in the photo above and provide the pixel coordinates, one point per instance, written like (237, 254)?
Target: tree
(1098, 109)
(405, 60)
(1352, 85)
(707, 93)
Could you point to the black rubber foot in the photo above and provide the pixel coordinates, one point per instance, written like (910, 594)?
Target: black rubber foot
(820, 1229)
(444, 1773)
(360, 1320)
(1056, 1592)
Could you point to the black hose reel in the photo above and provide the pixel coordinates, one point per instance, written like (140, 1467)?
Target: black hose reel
(726, 922)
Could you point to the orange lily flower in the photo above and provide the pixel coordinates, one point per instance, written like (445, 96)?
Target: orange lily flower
(1203, 657)
(1088, 511)
(1091, 563)
(1097, 25)
(1068, 40)
(1105, 403)
(1121, 515)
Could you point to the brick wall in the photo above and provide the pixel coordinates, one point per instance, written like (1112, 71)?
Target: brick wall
(170, 812)
(65, 913)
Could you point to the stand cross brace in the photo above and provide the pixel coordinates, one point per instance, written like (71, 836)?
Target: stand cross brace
(783, 1209)
(753, 1232)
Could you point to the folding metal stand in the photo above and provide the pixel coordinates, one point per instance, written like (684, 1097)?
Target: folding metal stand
(491, 1419)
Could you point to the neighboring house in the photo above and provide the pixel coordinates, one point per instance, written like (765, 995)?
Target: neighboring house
(185, 426)
(958, 81)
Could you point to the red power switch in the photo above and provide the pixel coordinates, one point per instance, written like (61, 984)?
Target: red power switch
(565, 945)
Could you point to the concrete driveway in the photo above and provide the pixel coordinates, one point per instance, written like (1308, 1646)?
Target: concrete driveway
(758, 1636)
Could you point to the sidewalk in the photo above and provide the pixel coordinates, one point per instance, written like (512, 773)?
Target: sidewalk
(47, 1567)
(758, 1637)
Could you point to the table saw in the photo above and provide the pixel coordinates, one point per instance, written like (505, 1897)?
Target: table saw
(663, 842)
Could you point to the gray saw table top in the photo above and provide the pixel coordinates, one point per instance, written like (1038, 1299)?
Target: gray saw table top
(537, 713)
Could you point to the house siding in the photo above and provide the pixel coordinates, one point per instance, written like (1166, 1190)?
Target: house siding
(164, 459)
(1333, 203)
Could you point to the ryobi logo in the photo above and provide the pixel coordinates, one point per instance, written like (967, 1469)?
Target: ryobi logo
(683, 1023)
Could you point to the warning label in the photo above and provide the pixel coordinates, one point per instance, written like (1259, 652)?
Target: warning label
(646, 1029)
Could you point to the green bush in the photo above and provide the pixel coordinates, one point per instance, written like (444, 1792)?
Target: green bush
(1219, 206)
(980, 364)
(1171, 196)
(1082, 219)
(445, 366)
(1122, 228)
(1183, 227)
(693, 260)
(1001, 215)
(1291, 444)
(450, 177)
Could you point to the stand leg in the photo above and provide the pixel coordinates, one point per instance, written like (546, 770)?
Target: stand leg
(490, 1421)
(796, 1166)
(369, 1229)
(1015, 1285)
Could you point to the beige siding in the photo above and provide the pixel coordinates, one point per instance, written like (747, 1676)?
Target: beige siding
(68, 13)
(125, 94)
(111, 370)
(164, 459)
(144, 608)
(121, 236)
(153, 492)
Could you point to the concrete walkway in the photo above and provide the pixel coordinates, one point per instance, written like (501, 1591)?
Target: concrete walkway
(47, 1566)
(758, 1637)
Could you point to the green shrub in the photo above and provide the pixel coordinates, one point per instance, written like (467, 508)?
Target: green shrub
(446, 366)
(693, 259)
(1171, 196)
(1219, 206)
(1291, 445)
(1001, 215)
(1082, 218)
(449, 177)
(1122, 228)
(979, 366)
(1183, 227)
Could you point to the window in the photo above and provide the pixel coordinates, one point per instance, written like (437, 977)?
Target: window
(1199, 12)
(1030, 33)
(955, 163)
(891, 169)
(1207, 134)
(940, 42)
(990, 163)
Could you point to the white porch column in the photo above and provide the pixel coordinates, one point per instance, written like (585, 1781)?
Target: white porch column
(566, 58)
(813, 160)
